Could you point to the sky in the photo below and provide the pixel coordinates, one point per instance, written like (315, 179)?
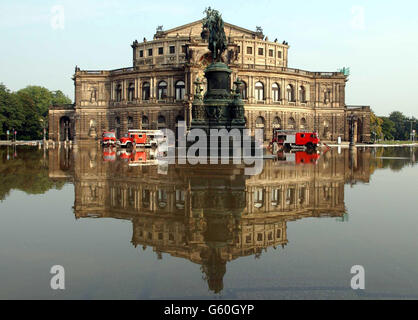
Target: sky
(43, 41)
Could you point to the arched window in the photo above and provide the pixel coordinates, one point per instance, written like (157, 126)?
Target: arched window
(180, 90)
(130, 123)
(131, 92)
(259, 122)
(145, 91)
(258, 198)
(277, 123)
(291, 123)
(119, 92)
(259, 91)
(302, 94)
(161, 122)
(162, 90)
(275, 92)
(303, 123)
(243, 91)
(145, 122)
(290, 93)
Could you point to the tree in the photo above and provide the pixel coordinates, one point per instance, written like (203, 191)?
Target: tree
(401, 128)
(26, 111)
(376, 126)
(388, 128)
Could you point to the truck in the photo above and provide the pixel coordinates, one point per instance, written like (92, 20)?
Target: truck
(294, 139)
(142, 139)
(109, 138)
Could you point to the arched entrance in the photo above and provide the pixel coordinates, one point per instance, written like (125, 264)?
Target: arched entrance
(65, 129)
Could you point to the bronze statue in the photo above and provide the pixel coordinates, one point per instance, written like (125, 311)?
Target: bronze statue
(214, 26)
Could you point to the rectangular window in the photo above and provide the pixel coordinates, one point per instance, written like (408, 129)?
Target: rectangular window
(271, 53)
(260, 51)
(141, 53)
(183, 49)
(239, 49)
(172, 49)
(150, 52)
(279, 54)
(161, 51)
(249, 50)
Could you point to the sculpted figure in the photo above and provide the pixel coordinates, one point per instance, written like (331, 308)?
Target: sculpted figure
(214, 26)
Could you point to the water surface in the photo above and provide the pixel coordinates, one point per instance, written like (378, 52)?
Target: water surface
(128, 231)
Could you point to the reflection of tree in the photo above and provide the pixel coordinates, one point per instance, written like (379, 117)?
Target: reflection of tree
(393, 158)
(27, 172)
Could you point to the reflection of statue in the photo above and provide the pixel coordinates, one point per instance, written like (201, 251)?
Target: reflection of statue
(214, 26)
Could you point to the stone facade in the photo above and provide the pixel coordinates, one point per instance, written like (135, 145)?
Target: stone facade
(157, 90)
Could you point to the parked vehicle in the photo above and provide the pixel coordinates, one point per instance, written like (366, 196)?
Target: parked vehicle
(142, 138)
(109, 138)
(109, 154)
(294, 139)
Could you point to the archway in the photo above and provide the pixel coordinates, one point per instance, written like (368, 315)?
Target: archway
(65, 129)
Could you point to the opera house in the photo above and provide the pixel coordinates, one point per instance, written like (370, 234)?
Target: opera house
(157, 90)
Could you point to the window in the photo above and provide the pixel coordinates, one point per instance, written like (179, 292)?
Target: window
(303, 123)
(291, 123)
(243, 91)
(145, 91)
(141, 53)
(249, 50)
(271, 53)
(279, 54)
(275, 197)
(275, 92)
(239, 49)
(290, 93)
(130, 123)
(180, 90)
(172, 49)
(161, 122)
(302, 94)
(145, 122)
(150, 52)
(162, 90)
(119, 92)
(161, 51)
(131, 92)
(259, 91)
(277, 123)
(260, 51)
(258, 198)
(183, 49)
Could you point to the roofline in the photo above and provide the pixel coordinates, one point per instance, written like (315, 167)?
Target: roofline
(201, 21)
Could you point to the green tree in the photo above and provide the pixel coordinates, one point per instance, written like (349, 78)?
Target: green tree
(376, 126)
(388, 128)
(400, 121)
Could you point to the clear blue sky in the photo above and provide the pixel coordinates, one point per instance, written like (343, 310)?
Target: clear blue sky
(378, 40)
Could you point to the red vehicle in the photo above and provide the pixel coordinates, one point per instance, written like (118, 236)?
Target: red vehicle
(141, 138)
(294, 139)
(299, 157)
(109, 154)
(109, 138)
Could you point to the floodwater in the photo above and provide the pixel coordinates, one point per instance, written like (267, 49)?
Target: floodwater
(125, 229)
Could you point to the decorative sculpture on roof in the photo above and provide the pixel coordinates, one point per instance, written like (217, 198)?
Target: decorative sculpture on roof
(214, 26)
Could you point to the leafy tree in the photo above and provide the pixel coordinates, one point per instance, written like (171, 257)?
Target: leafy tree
(27, 110)
(400, 121)
(376, 126)
(388, 128)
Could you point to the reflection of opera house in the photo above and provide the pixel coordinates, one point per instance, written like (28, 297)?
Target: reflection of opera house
(206, 215)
